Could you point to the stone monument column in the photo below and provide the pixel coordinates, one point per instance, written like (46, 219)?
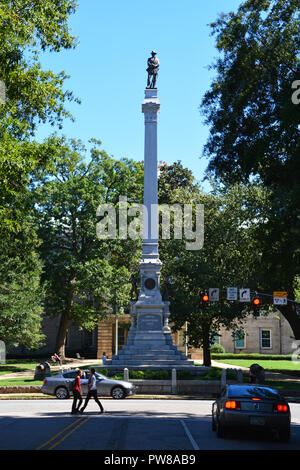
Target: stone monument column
(150, 308)
(150, 108)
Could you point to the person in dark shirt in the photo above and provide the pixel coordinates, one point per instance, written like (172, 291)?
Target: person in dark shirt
(77, 393)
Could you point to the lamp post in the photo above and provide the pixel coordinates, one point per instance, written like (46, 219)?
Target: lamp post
(117, 328)
(117, 337)
(185, 339)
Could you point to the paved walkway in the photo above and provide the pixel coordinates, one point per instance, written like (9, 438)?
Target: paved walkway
(71, 364)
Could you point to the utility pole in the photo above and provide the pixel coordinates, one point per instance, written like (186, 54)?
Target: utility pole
(186, 339)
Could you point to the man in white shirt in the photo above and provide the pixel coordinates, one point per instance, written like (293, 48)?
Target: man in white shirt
(92, 392)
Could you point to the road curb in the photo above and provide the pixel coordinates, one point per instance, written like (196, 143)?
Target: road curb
(136, 397)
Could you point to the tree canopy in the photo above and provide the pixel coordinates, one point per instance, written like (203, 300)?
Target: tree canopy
(84, 276)
(254, 128)
(33, 95)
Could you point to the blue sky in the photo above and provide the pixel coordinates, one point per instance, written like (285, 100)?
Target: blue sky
(108, 73)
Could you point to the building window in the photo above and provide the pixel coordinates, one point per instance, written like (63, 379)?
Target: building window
(265, 339)
(239, 339)
(215, 339)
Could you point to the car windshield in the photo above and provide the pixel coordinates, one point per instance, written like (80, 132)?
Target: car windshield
(97, 375)
(100, 376)
(252, 392)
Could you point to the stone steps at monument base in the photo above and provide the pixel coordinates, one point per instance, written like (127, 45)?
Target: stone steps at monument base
(149, 347)
(173, 355)
(153, 352)
(145, 362)
(156, 357)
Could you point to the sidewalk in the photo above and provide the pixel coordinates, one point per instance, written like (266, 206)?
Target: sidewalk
(30, 373)
(227, 366)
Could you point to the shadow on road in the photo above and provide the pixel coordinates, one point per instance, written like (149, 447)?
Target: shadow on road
(129, 430)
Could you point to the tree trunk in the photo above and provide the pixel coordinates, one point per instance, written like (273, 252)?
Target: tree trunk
(64, 323)
(206, 349)
(289, 311)
(62, 334)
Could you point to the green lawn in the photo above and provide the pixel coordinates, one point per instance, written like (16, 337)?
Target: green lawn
(267, 365)
(13, 365)
(282, 385)
(19, 381)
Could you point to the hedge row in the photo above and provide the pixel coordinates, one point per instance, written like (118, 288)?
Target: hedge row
(269, 357)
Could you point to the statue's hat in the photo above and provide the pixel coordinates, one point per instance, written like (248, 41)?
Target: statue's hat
(153, 52)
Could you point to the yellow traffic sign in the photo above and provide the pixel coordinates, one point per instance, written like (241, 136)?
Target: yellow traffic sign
(280, 294)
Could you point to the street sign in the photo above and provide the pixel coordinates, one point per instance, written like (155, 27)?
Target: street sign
(244, 295)
(280, 298)
(280, 294)
(232, 293)
(214, 294)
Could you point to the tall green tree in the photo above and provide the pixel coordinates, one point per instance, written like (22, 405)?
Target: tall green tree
(254, 128)
(230, 257)
(84, 275)
(21, 293)
(33, 95)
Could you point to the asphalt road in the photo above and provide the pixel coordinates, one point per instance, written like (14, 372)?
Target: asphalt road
(177, 425)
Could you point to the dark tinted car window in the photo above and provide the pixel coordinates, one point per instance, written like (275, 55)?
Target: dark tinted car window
(253, 392)
(70, 375)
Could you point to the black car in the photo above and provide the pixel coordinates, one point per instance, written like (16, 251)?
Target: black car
(249, 407)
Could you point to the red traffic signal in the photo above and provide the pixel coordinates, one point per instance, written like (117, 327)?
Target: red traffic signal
(205, 299)
(256, 302)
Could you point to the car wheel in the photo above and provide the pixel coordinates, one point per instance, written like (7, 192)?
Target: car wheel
(284, 435)
(213, 424)
(61, 393)
(118, 393)
(220, 429)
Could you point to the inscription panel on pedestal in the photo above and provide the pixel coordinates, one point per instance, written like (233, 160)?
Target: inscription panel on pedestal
(150, 322)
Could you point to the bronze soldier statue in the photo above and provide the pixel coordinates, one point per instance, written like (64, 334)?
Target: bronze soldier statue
(153, 66)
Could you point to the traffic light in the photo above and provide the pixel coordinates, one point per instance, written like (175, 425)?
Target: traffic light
(256, 302)
(205, 299)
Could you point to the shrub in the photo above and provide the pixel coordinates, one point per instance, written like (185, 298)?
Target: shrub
(217, 349)
(149, 374)
(213, 374)
(251, 356)
(136, 374)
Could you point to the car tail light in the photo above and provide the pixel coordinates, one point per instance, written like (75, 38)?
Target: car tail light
(256, 399)
(45, 381)
(280, 408)
(232, 405)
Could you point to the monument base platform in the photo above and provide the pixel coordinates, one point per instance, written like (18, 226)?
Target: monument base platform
(148, 349)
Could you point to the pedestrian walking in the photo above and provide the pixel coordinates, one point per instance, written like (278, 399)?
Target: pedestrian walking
(92, 392)
(55, 358)
(77, 393)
